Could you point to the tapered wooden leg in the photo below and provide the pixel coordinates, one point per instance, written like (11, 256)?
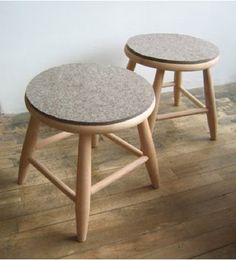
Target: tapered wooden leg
(178, 83)
(83, 186)
(148, 149)
(28, 148)
(158, 81)
(210, 103)
(131, 65)
(95, 141)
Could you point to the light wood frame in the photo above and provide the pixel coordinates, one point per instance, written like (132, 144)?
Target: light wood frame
(209, 108)
(84, 189)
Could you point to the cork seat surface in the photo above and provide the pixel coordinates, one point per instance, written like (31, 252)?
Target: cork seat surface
(90, 94)
(172, 48)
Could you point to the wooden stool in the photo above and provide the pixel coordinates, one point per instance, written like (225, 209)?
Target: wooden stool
(86, 100)
(178, 53)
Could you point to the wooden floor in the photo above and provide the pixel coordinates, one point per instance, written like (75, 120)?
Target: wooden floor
(192, 215)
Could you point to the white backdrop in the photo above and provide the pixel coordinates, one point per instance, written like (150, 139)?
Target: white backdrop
(38, 35)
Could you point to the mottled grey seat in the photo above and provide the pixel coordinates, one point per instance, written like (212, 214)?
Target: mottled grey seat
(173, 48)
(90, 94)
(89, 99)
(178, 53)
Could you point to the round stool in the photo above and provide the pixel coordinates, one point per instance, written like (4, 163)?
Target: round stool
(178, 53)
(88, 99)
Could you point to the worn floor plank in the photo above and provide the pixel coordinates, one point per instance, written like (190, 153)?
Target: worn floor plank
(228, 250)
(195, 205)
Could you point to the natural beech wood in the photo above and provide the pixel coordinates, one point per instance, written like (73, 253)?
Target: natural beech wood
(148, 148)
(178, 84)
(83, 186)
(131, 65)
(83, 183)
(87, 139)
(99, 129)
(116, 139)
(52, 139)
(95, 141)
(157, 85)
(197, 102)
(188, 112)
(168, 84)
(168, 66)
(28, 148)
(178, 69)
(210, 103)
(118, 174)
(57, 182)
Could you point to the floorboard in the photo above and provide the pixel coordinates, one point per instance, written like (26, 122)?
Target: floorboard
(192, 215)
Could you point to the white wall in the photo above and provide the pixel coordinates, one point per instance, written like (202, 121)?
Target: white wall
(37, 35)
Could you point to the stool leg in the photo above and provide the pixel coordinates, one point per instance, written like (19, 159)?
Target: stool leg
(158, 81)
(83, 186)
(178, 84)
(95, 141)
(131, 65)
(210, 103)
(28, 148)
(148, 149)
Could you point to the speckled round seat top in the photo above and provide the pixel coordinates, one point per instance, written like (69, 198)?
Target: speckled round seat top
(90, 94)
(172, 48)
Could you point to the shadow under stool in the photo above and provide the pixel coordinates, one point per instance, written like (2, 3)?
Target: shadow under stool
(89, 99)
(178, 53)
